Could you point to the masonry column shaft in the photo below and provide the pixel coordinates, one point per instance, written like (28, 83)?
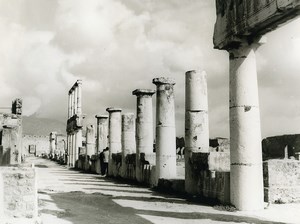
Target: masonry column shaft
(79, 97)
(114, 130)
(246, 176)
(196, 125)
(128, 140)
(102, 132)
(90, 140)
(165, 128)
(144, 129)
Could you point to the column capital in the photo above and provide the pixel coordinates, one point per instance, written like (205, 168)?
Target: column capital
(143, 92)
(113, 109)
(79, 82)
(102, 116)
(163, 80)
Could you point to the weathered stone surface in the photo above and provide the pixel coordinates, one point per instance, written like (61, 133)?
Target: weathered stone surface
(128, 140)
(245, 20)
(282, 181)
(165, 128)
(219, 161)
(144, 129)
(115, 133)
(18, 193)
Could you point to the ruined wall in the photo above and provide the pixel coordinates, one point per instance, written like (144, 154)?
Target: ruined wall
(273, 147)
(40, 141)
(10, 139)
(282, 181)
(18, 194)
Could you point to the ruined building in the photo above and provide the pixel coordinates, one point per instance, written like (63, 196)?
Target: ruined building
(11, 135)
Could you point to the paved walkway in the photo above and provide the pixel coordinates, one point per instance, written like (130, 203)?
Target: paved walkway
(70, 197)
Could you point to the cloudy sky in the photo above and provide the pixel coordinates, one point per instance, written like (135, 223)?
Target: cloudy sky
(116, 46)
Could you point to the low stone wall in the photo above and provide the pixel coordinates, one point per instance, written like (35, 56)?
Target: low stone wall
(18, 195)
(282, 181)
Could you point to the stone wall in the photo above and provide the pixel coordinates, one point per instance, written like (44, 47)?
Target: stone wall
(273, 147)
(282, 181)
(18, 194)
(41, 143)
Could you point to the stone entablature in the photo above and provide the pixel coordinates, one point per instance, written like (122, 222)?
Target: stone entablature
(242, 20)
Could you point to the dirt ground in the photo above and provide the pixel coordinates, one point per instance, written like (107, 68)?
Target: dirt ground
(68, 196)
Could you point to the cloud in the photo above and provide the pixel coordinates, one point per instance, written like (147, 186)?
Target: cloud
(117, 46)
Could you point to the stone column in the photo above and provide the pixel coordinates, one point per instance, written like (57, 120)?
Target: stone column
(78, 143)
(73, 150)
(114, 130)
(196, 125)
(69, 105)
(90, 140)
(128, 140)
(79, 97)
(165, 128)
(102, 132)
(144, 129)
(52, 142)
(246, 176)
(74, 101)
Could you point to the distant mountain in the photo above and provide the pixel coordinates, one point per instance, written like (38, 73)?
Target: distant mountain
(33, 125)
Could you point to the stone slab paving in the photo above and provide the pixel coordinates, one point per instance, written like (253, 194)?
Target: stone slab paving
(68, 196)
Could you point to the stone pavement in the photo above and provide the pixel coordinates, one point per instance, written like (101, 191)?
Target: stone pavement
(68, 196)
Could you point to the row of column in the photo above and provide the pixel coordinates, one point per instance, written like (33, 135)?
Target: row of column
(245, 137)
(74, 137)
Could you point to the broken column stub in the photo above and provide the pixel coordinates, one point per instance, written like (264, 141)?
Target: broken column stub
(196, 126)
(128, 140)
(246, 174)
(165, 128)
(102, 132)
(144, 130)
(90, 140)
(114, 133)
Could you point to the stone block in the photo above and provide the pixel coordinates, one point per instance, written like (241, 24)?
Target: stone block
(219, 161)
(246, 19)
(282, 181)
(18, 194)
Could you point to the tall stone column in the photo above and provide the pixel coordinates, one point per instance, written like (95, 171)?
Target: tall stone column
(90, 140)
(69, 105)
(196, 125)
(102, 132)
(75, 100)
(78, 143)
(52, 142)
(144, 129)
(73, 151)
(114, 130)
(128, 140)
(165, 128)
(79, 97)
(246, 176)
